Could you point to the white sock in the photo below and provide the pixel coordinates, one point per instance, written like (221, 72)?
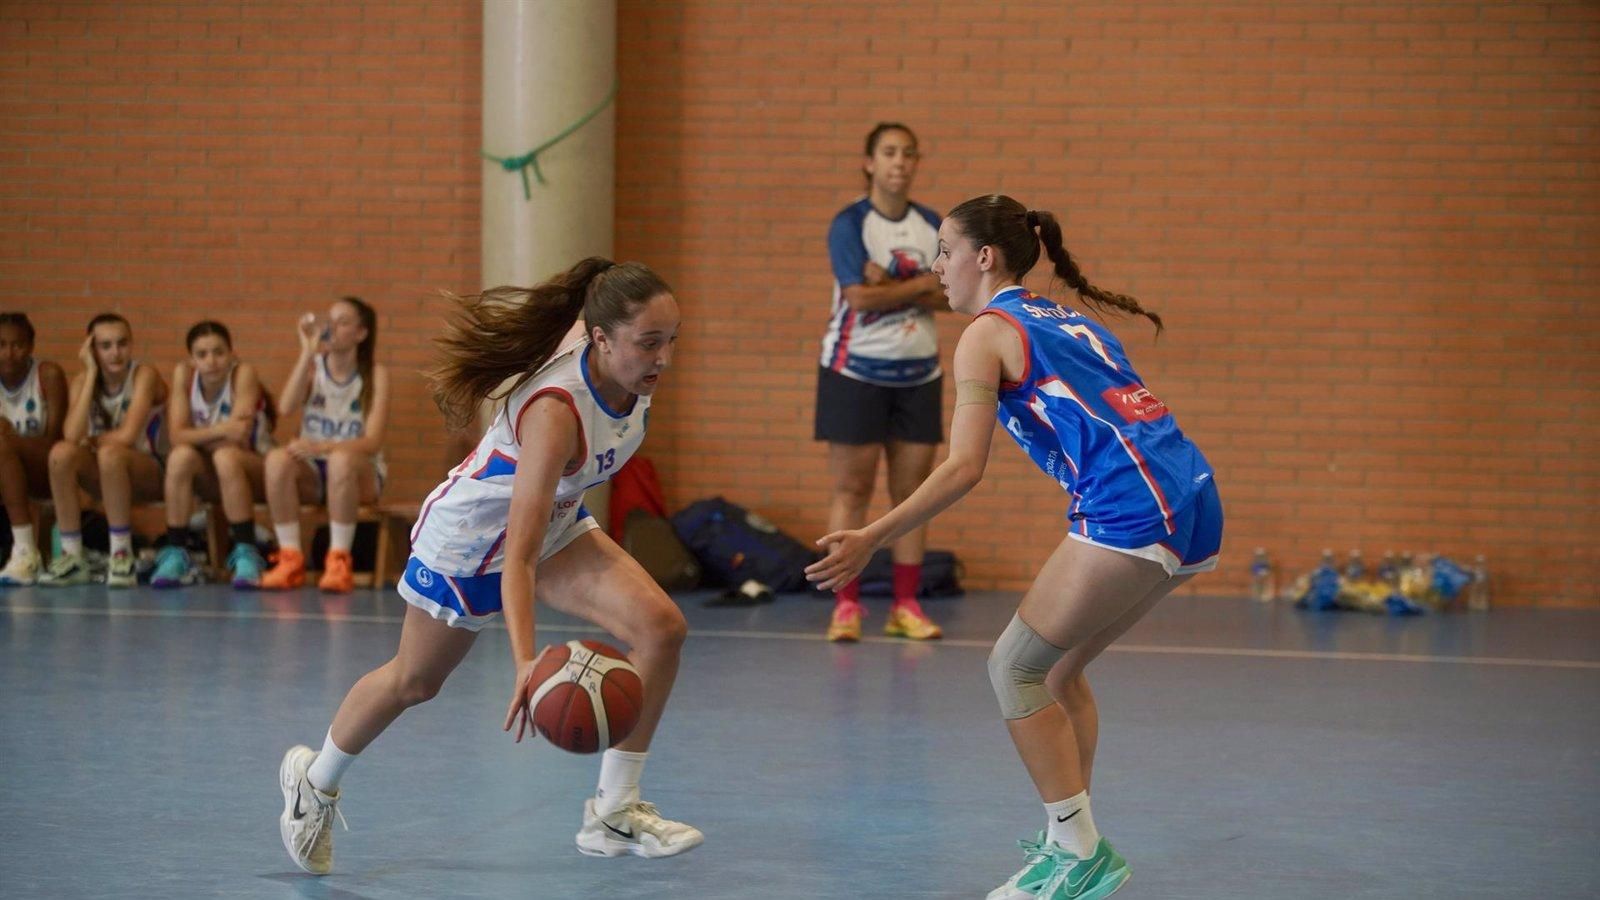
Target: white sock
(72, 543)
(329, 766)
(619, 780)
(288, 535)
(22, 539)
(1071, 825)
(341, 535)
(121, 541)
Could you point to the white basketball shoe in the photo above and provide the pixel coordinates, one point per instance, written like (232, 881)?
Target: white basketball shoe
(307, 820)
(636, 828)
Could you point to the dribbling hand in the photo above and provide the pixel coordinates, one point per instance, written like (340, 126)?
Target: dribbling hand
(848, 553)
(518, 713)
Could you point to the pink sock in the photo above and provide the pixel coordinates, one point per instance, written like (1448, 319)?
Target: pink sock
(907, 579)
(850, 593)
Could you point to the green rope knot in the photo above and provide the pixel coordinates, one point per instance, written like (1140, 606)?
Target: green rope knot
(530, 160)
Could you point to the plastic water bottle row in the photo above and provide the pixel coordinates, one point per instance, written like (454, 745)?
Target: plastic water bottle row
(1400, 584)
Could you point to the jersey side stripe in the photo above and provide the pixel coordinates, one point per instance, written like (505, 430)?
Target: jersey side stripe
(1127, 446)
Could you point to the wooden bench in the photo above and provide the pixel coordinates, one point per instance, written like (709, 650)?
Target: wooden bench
(394, 522)
(394, 525)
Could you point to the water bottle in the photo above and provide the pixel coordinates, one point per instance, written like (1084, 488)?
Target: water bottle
(1262, 585)
(1478, 591)
(1355, 570)
(1324, 592)
(1388, 568)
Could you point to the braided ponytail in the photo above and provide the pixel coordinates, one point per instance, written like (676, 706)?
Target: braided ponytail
(1067, 270)
(1001, 222)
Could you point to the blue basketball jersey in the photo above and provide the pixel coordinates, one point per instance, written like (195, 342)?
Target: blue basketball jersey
(1085, 417)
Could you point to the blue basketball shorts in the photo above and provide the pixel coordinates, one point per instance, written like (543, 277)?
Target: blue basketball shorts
(1192, 546)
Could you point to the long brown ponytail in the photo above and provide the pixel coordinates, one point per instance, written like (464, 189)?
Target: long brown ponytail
(366, 351)
(1016, 231)
(507, 331)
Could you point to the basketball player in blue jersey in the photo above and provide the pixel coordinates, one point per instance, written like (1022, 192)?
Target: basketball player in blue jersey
(508, 527)
(112, 445)
(1144, 510)
(33, 405)
(878, 381)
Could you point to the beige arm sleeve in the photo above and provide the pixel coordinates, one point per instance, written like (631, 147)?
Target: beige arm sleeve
(973, 392)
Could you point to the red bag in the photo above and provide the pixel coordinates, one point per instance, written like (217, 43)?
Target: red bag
(634, 486)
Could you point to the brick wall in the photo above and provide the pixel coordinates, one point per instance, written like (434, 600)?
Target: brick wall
(1372, 228)
(244, 161)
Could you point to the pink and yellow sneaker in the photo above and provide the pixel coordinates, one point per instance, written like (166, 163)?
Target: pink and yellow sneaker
(846, 623)
(907, 620)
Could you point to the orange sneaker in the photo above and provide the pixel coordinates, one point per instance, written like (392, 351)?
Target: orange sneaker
(287, 573)
(337, 578)
(907, 620)
(846, 623)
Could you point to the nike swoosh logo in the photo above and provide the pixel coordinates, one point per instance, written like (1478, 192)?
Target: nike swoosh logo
(1074, 890)
(1065, 818)
(296, 813)
(618, 831)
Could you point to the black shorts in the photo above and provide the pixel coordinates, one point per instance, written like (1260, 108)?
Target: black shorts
(858, 412)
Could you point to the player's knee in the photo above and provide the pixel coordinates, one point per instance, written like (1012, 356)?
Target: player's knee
(183, 460)
(63, 456)
(854, 490)
(414, 689)
(227, 458)
(344, 463)
(1018, 666)
(670, 628)
(663, 626)
(110, 455)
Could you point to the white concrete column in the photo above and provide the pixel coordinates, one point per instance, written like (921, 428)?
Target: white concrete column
(546, 63)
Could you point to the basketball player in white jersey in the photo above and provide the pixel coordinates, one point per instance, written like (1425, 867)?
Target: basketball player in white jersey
(508, 527)
(111, 446)
(220, 419)
(33, 404)
(338, 456)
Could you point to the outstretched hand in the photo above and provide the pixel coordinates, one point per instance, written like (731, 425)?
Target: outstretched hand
(848, 553)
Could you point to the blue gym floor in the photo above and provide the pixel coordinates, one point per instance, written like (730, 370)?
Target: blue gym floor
(1246, 752)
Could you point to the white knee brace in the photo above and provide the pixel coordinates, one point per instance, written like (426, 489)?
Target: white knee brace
(1017, 668)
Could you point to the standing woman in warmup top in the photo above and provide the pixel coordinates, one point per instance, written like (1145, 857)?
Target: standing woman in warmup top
(33, 405)
(111, 446)
(879, 382)
(338, 457)
(508, 527)
(220, 419)
(1144, 515)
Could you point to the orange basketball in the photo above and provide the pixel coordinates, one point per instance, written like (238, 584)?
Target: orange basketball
(587, 696)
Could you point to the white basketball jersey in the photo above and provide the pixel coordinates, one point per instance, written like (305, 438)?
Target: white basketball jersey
(462, 529)
(333, 410)
(25, 405)
(204, 413)
(114, 408)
